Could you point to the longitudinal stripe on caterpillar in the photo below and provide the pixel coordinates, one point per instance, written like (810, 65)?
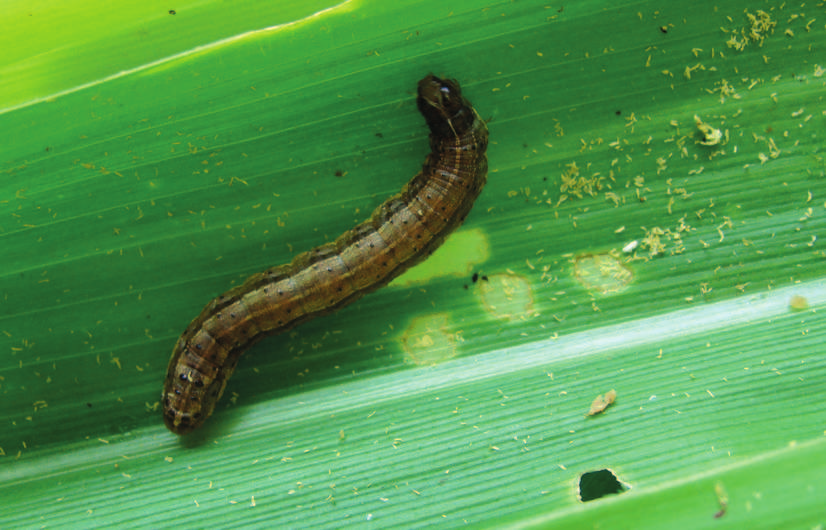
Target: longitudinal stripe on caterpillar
(401, 232)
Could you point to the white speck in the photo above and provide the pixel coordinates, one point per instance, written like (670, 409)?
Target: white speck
(630, 246)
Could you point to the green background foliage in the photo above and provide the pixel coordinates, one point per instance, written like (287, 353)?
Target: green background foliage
(149, 161)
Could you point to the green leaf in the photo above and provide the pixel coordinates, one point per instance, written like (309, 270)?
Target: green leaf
(151, 161)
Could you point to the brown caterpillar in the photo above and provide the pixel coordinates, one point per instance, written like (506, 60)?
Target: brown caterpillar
(402, 232)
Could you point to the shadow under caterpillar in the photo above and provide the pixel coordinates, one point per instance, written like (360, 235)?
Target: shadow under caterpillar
(401, 232)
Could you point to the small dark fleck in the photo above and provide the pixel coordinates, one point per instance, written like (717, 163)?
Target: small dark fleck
(172, 12)
(663, 29)
(618, 113)
(89, 405)
(48, 149)
(339, 173)
(484, 278)
(475, 277)
(379, 135)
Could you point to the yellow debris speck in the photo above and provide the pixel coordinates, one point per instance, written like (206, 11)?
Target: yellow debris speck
(711, 135)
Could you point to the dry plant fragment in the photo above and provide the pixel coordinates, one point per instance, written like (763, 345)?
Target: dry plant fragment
(711, 136)
(602, 402)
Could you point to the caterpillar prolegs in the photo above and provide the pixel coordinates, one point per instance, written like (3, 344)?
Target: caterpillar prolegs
(401, 232)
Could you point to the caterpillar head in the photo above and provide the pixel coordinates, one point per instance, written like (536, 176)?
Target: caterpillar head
(441, 103)
(189, 398)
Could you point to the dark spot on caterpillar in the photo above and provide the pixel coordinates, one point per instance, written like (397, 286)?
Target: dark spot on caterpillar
(89, 405)
(401, 233)
(173, 12)
(475, 277)
(339, 173)
(663, 29)
(379, 135)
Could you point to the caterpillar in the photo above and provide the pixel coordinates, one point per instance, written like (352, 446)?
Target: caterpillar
(402, 231)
